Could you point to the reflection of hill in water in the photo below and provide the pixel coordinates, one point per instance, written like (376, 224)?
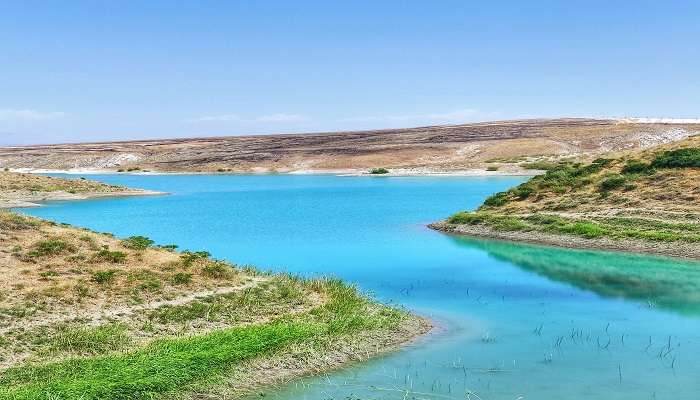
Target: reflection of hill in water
(669, 284)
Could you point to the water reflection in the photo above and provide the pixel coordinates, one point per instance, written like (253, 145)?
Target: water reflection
(655, 281)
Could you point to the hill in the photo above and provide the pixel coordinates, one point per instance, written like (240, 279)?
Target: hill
(642, 200)
(505, 146)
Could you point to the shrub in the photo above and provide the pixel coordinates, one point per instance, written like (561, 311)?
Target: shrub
(102, 277)
(492, 168)
(681, 158)
(523, 191)
(496, 200)
(50, 247)
(637, 167)
(612, 182)
(110, 256)
(181, 278)
(189, 257)
(379, 171)
(217, 270)
(137, 242)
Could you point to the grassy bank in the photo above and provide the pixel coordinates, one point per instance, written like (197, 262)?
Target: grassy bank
(86, 315)
(650, 197)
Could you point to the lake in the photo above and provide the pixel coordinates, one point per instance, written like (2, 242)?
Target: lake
(515, 321)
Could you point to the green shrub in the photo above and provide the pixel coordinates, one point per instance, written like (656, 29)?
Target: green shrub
(181, 278)
(523, 191)
(379, 171)
(681, 158)
(612, 182)
(110, 256)
(492, 168)
(189, 257)
(102, 277)
(637, 167)
(137, 242)
(217, 270)
(496, 200)
(50, 247)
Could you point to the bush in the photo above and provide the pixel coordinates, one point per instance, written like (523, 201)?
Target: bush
(492, 168)
(496, 200)
(379, 171)
(522, 192)
(612, 182)
(189, 257)
(110, 256)
(217, 270)
(102, 277)
(181, 278)
(137, 242)
(681, 158)
(637, 167)
(50, 247)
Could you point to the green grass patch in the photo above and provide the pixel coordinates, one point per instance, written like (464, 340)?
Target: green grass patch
(680, 158)
(614, 228)
(167, 367)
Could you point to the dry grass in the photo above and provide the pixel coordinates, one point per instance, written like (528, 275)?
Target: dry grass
(428, 149)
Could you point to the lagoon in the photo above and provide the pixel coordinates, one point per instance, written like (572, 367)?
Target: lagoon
(515, 321)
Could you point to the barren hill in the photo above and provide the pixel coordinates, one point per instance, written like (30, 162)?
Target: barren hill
(500, 145)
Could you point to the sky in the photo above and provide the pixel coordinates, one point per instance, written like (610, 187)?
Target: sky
(74, 71)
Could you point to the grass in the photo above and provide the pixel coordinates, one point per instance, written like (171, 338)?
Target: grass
(168, 366)
(679, 158)
(614, 227)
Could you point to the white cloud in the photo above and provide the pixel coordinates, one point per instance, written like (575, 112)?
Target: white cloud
(281, 117)
(11, 114)
(452, 117)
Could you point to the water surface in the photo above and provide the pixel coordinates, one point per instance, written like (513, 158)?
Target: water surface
(518, 321)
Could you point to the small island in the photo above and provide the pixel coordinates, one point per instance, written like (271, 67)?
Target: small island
(645, 201)
(91, 316)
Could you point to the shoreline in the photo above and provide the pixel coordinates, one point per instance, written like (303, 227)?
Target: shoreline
(32, 200)
(399, 172)
(343, 352)
(687, 251)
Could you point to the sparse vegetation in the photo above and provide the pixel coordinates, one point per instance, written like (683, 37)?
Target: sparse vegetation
(378, 171)
(137, 242)
(650, 196)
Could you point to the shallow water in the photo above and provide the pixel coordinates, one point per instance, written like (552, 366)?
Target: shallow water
(517, 321)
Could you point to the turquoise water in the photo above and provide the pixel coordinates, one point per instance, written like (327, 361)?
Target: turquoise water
(516, 321)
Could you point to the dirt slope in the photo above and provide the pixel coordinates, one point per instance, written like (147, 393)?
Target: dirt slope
(417, 150)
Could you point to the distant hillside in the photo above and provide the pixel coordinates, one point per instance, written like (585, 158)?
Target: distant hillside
(497, 146)
(638, 200)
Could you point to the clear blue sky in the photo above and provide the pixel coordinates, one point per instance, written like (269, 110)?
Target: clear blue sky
(96, 70)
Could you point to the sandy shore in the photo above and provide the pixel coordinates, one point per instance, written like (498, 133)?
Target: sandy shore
(34, 199)
(670, 249)
(339, 172)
